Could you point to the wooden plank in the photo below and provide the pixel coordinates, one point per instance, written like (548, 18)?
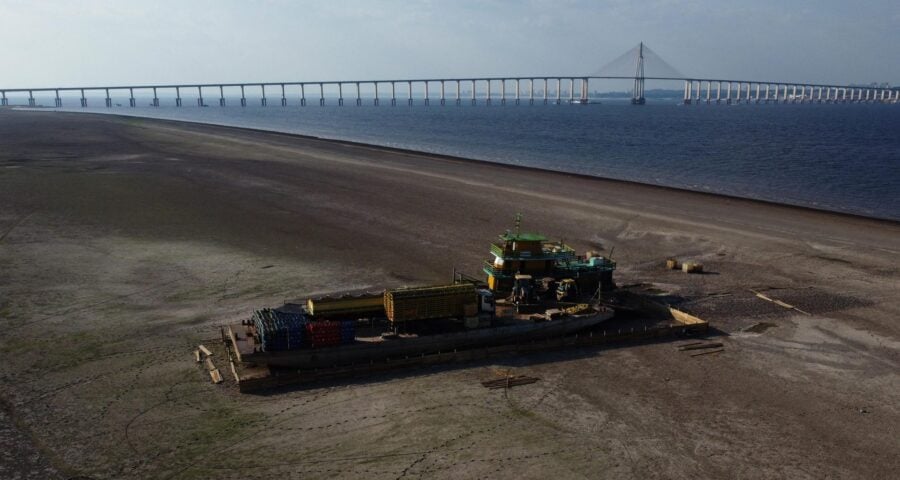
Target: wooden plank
(209, 364)
(780, 303)
(234, 342)
(701, 347)
(215, 376)
(708, 352)
(785, 305)
(205, 350)
(237, 379)
(197, 356)
(764, 297)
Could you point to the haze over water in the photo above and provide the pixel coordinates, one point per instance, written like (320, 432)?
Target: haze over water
(837, 157)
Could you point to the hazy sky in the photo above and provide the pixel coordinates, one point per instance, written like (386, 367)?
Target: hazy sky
(58, 43)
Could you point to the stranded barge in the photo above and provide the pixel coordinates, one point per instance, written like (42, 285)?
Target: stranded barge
(537, 294)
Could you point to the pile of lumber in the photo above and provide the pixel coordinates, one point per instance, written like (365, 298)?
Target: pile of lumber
(203, 354)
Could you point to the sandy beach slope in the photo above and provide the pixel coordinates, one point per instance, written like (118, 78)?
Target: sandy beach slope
(124, 242)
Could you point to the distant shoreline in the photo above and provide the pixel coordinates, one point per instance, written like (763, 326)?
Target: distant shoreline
(460, 159)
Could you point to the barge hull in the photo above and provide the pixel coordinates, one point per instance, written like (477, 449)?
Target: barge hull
(372, 351)
(284, 377)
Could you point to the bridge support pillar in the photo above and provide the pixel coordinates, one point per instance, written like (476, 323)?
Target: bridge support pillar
(458, 102)
(443, 99)
(409, 100)
(83, 100)
(262, 101)
(321, 95)
(487, 100)
(393, 94)
(108, 99)
(221, 96)
(31, 102)
(376, 101)
(687, 92)
(340, 95)
(155, 98)
(58, 100)
(426, 94)
(4, 102)
(131, 101)
(503, 91)
(358, 97)
(177, 96)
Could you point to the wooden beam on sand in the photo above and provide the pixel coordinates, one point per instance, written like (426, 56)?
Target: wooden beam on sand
(779, 302)
(700, 347)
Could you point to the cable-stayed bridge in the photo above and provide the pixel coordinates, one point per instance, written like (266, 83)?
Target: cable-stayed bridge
(637, 65)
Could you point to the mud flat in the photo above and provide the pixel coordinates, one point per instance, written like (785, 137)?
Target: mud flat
(125, 242)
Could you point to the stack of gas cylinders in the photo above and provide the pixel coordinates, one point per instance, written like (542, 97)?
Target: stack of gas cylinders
(280, 330)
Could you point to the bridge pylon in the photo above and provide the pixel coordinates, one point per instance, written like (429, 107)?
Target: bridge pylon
(637, 95)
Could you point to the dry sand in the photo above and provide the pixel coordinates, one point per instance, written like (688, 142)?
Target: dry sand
(125, 242)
